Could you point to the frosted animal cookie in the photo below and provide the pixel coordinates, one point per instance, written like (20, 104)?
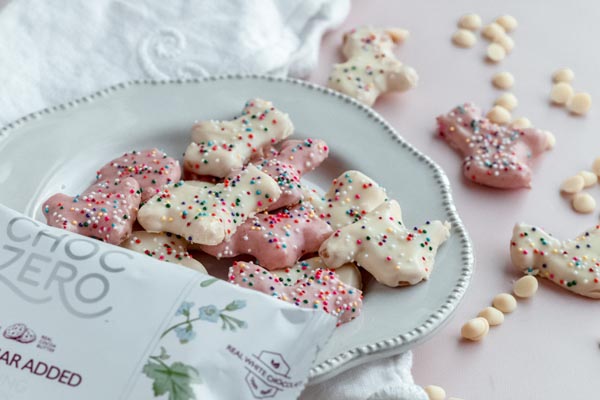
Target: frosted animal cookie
(164, 247)
(350, 197)
(105, 210)
(294, 159)
(571, 264)
(152, 169)
(381, 244)
(372, 68)
(319, 290)
(277, 240)
(209, 215)
(347, 273)
(495, 155)
(219, 147)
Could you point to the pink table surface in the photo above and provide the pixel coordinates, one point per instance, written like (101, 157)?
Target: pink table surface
(549, 347)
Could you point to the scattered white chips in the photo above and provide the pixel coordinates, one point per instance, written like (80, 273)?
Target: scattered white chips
(499, 115)
(492, 315)
(464, 38)
(561, 93)
(475, 329)
(589, 178)
(580, 103)
(507, 100)
(492, 31)
(506, 42)
(505, 302)
(525, 287)
(563, 75)
(471, 22)
(503, 80)
(508, 22)
(521, 123)
(495, 52)
(583, 203)
(574, 184)
(435, 392)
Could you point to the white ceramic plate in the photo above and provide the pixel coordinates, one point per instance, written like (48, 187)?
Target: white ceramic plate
(59, 149)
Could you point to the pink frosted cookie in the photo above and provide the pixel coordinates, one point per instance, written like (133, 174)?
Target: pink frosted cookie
(495, 155)
(152, 169)
(572, 264)
(164, 247)
(219, 147)
(347, 273)
(209, 214)
(380, 243)
(105, 211)
(294, 159)
(350, 197)
(372, 68)
(320, 290)
(277, 240)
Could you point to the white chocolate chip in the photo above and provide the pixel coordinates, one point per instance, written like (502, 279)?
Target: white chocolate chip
(507, 100)
(505, 302)
(398, 35)
(475, 329)
(499, 115)
(503, 80)
(492, 31)
(506, 42)
(583, 203)
(561, 93)
(563, 75)
(471, 22)
(574, 184)
(551, 140)
(464, 38)
(580, 103)
(525, 287)
(492, 315)
(589, 178)
(495, 52)
(596, 166)
(435, 392)
(508, 22)
(521, 123)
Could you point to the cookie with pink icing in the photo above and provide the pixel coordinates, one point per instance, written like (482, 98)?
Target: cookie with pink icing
(152, 169)
(164, 247)
(206, 214)
(276, 239)
(372, 68)
(319, 290)
(220, 147)
(287, 165)
(380, 243)
(571, 264)
(105, 210)
(347, 273)
(350, 197)
(495, 155)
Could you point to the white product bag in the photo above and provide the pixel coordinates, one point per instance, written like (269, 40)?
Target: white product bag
(81, 319)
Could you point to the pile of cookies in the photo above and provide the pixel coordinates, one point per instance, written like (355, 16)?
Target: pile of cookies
(244, 195)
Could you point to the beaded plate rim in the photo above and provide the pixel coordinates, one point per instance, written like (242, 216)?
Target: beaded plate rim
(357, 355)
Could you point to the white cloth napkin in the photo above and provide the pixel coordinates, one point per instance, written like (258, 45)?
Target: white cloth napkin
(385, 379)
(57, 50)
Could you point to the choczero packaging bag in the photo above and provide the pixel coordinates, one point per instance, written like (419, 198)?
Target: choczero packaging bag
(80, 319)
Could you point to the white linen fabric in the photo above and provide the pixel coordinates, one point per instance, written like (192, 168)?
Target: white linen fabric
(57, 50)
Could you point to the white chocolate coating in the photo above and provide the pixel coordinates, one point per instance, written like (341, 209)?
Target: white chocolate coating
(351, 196)
(164, 247)
(219, 147)
(347, 273)
(371, 67)
(571, 264)
(381, 244)
(209, 215)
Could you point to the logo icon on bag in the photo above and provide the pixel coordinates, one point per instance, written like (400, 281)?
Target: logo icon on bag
(274, 373)
(20, 332)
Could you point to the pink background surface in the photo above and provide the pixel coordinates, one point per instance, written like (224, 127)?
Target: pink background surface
(549, 347)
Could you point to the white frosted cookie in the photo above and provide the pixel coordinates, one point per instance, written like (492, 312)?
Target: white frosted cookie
(164, 247)
(380, 243)
(219, 147)
(571, 264)
(350, 197)
(209, 215)
(371, 68)
(347, 273)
